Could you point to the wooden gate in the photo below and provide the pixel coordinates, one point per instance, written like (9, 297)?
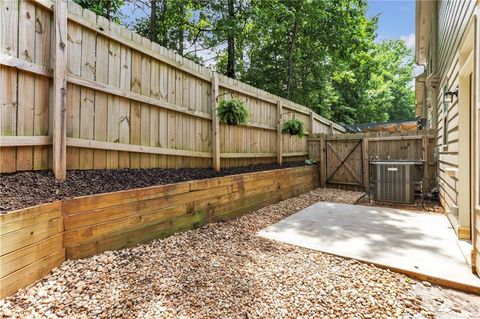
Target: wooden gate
(344, 163)
(343, 159)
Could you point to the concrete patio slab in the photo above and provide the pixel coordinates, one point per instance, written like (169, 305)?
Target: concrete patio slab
(418, 244)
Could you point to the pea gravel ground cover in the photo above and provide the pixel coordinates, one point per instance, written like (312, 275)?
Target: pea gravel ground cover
(224, 270)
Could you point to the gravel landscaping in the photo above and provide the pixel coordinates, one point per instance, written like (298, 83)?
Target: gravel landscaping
(25, 189)
(224, 270)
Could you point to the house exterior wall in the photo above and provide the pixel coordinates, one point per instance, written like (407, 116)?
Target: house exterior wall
(476, 239)
(451, 58)
(452, 19)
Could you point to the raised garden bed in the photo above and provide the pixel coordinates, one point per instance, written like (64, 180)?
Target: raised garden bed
(26, 189)
(36, 239)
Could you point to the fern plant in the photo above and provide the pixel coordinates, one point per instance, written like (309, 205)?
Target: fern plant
(294, 127)
(232, 112)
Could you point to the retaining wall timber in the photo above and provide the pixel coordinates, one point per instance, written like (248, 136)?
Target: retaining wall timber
(31, 244)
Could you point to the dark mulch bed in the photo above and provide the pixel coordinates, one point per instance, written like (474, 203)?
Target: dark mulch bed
(25, 189)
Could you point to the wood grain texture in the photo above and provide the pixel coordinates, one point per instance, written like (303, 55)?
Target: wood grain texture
(122, 89)
(31, 244)
(8, 78)
(113, 221)
(215, 124)
(60, 92)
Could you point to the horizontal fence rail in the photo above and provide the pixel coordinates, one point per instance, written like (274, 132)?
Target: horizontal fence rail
(127, 103)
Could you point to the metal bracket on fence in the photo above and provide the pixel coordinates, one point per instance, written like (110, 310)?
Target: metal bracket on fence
(286, 113)
(229, 92)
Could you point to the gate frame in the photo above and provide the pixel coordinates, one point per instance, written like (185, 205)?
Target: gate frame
(343, 162)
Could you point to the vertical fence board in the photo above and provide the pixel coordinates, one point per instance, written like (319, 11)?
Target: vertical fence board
(87, 100)
(8, 77)
(43, 40)
(145, 128)
(26, 83)
(215, 124)
(279, 133)
(101, 99)
(123, 92)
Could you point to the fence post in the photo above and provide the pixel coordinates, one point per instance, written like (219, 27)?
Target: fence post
(366, 164)
(331, 127)
(279, 133)
(215, 124)
(322, 162)
(312, 120)
(60, 91)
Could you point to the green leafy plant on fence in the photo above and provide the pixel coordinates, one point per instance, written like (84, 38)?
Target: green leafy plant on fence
(232, 112)
(294, 127)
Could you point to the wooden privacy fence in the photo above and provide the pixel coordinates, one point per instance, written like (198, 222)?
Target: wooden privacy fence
(344, 158)
(107, 98)
(37, 239)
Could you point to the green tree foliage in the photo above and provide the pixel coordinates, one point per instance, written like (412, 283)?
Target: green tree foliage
(310, 52)
(109, 9)
(322, 54)
(168, 23)
(226, 25)
(319, 53)
(393, 78)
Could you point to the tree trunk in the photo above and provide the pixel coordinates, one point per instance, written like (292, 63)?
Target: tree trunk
(291, 53)
(162, 34)
(153, 21)
(231, 43)
(181, 33)
(108, 9)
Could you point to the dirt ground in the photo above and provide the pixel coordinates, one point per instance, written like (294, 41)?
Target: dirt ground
(25, 189)
(224, 270)
(447, 303)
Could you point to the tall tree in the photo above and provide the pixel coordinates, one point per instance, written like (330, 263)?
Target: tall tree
(152, 34)
(109, 9)
(291, 51)
(320, 53)
(230, 72)
(226, 26)
(170, 23)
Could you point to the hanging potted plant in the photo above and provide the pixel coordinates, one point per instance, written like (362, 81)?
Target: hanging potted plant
(293, 127)
(232, 112)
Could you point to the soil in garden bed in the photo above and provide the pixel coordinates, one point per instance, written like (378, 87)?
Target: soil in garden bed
(25, 189)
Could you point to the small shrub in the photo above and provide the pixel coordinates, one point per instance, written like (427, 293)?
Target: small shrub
(310, 161)
(294, 127)
(232, 112)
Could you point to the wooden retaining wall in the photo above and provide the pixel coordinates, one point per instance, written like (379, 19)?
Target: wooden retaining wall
(31, 244)
(130, 103)
(35, 240)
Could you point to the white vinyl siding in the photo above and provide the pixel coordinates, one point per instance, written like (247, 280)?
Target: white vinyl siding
(452, 18)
